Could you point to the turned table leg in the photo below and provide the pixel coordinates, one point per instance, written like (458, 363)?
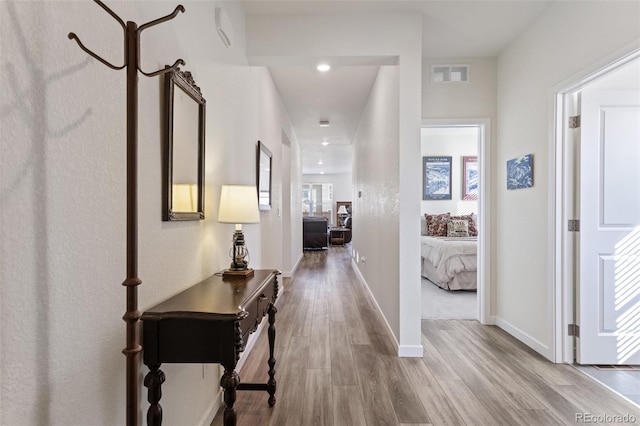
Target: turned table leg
(271, 383)
(153, 381)
(229, 383)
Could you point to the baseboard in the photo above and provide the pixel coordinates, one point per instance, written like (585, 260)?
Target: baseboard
(410, 351)
(295, 268)
(489, 320)
(534, 344)
(375, 302)
(210, 414)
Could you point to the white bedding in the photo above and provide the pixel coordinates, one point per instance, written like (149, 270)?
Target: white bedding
(451, 263)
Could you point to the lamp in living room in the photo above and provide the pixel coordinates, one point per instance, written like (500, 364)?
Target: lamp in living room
(238, 205)
(342, 213)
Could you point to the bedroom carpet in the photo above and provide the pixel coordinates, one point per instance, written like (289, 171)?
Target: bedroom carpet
(438, 303)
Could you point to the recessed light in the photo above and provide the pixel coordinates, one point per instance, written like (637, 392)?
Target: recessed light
(321, 173)
(320, 163)
(325, 143)
(323, 67)
(324, 123)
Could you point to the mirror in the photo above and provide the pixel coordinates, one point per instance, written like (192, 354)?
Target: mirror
(183, 154)
(263, 177)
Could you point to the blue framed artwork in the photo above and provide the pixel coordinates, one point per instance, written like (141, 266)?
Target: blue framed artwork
(436, 178)
(520, 172)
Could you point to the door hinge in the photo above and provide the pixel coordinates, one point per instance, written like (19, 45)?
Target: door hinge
(574, 122)
(574, 225)
(574, 330)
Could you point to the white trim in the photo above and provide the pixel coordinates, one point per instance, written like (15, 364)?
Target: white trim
(484, 207)
(212, 410)
(534, 344)
(294, 269)
(410, 351)
(562, 250)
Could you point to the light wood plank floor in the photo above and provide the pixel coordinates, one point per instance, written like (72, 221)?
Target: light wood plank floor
(336, 365)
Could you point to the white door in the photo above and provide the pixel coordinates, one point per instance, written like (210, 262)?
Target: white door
(609, 273)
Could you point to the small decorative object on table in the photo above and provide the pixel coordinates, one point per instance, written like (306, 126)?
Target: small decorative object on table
(238, 204)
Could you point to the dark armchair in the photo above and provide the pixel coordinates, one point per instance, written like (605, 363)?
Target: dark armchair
(314, 233)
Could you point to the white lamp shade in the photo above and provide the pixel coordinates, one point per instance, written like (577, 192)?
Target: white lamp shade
(238, 204)
(342, 210)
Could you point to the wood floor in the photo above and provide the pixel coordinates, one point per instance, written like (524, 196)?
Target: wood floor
(336, 365)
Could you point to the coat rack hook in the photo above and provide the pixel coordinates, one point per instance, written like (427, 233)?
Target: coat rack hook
(73, 36)
(112, 13)
(179, 8)
(164, 70)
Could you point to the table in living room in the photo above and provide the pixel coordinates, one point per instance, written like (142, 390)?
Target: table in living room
(337, 235)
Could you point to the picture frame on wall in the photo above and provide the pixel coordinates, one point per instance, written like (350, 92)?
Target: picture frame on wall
(436, 178)
(470, 177)
(520, 172)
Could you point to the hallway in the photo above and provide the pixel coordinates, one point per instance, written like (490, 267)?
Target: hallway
(337, 365)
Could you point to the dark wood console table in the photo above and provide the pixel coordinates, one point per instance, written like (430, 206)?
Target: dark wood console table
(209, 323)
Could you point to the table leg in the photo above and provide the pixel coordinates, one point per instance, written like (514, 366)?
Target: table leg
(271, 383)
(153, 381)
(229, 383)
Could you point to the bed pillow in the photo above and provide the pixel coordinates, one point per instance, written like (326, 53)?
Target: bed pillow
(437, 224)
(458, 228)
(473, 230)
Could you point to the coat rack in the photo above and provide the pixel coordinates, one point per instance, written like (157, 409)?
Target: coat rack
(132, 315)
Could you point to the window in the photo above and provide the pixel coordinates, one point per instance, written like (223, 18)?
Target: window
(317, 200)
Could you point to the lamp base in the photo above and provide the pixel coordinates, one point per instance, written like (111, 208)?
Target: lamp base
(237, 272)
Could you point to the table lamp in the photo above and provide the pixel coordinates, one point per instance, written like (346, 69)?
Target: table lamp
(342, 211)
(238, 205)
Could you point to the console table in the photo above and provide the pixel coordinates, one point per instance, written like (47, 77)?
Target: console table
(209, 323)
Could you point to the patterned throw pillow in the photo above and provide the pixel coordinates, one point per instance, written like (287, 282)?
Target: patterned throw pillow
(458, 228)
(437, 224)
(473, 230)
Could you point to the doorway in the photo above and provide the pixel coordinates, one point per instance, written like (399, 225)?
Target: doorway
(481, 129)
(598, 291)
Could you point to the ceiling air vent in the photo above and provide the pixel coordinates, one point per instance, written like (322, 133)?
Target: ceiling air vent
(449, 73)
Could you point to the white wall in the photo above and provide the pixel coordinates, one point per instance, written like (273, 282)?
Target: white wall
(474, 99)
(455, 143)
(376, 162)
(565, 40)
(63, 201)
(271, 37)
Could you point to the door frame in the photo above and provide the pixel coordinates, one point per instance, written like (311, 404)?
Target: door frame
(562, 200)
(484, 208)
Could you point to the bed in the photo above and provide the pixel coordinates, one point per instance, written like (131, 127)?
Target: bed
(450, 262)
(449, 256)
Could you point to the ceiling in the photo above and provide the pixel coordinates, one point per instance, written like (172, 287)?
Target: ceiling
(450, 29)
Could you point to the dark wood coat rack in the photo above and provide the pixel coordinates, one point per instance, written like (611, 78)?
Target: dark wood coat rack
(132, 315)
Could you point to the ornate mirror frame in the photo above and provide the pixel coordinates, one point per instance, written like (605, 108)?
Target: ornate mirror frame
(264, 165)
(183, 153)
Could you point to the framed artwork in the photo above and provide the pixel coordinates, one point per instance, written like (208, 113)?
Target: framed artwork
(470, 178)
(520, 172)
(436, 178)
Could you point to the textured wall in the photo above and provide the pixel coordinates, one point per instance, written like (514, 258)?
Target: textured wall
(62, 190)
(376, 162)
